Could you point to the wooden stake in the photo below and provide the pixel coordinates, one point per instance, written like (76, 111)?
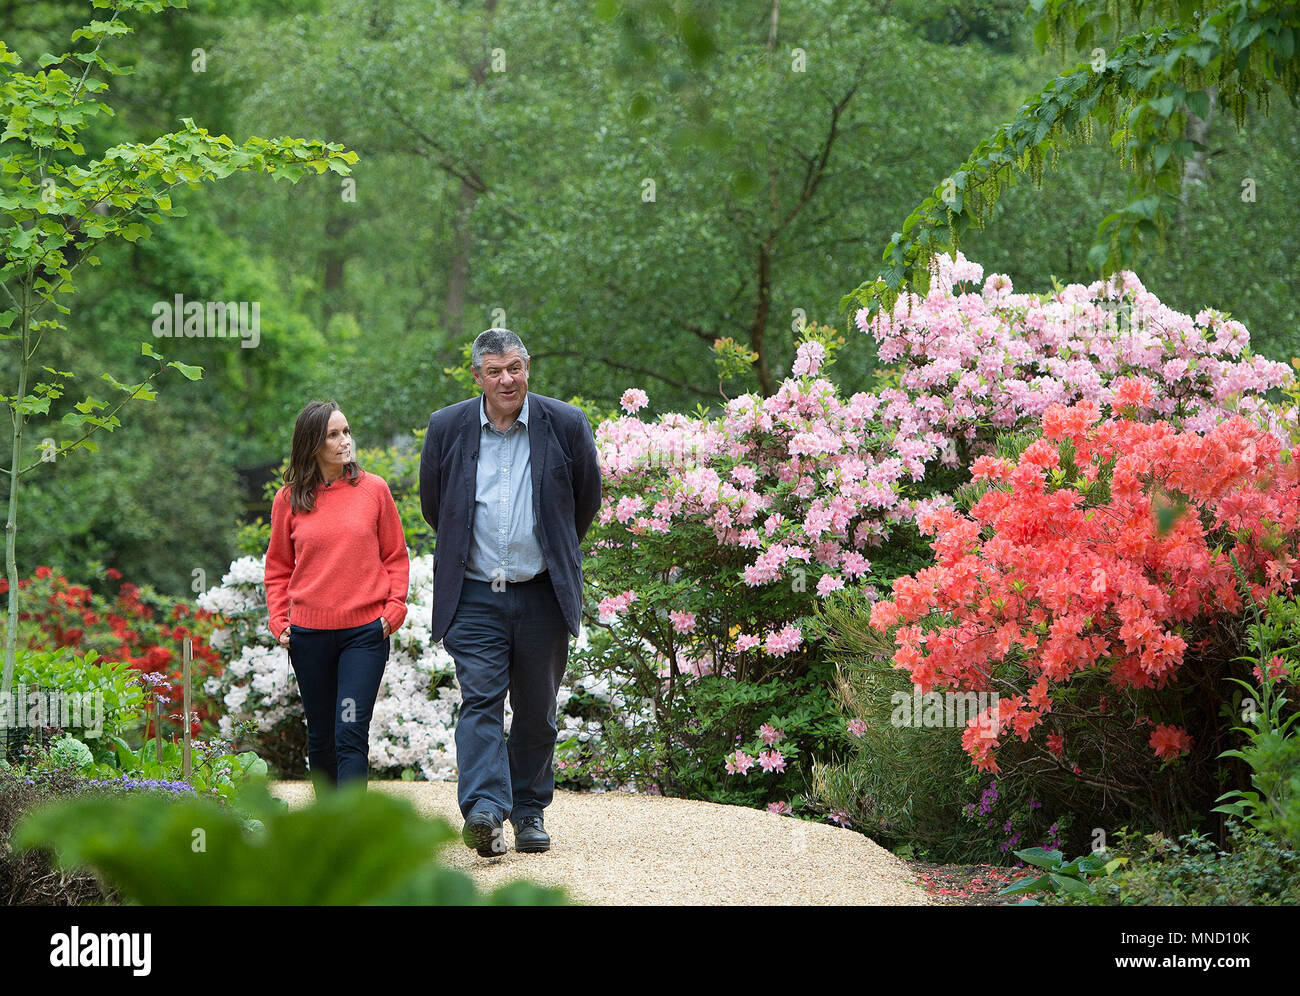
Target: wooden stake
(157, 728)
(187, 658)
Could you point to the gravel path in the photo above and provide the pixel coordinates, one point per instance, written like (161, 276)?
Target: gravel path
(619, 848)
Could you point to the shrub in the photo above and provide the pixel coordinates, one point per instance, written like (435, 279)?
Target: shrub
(718, 535)
(1191, 870)
(29, 878)
(1272, 751)
(1089, 585)
(908, 784)
(97, 701)
(137, 626)
(990, 359)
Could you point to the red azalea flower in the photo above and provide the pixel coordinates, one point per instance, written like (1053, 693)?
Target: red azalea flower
(1170, 741)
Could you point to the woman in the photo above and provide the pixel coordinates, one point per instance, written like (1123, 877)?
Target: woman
(336, 584)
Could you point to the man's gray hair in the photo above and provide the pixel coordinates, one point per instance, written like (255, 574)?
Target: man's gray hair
(496, 342)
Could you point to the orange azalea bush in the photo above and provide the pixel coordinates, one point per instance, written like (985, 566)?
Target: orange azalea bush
(1092, 586)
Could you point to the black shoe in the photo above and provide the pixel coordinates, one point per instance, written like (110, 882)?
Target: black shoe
(531, 836)
(483, 832)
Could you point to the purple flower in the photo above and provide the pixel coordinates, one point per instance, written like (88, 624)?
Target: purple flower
(128, 783)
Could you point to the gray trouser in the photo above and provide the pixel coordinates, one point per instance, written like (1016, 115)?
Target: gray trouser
(513, 641)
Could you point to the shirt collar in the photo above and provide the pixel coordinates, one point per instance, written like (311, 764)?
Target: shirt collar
(483, 416)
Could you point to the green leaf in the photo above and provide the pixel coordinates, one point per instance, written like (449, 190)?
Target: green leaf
(1040, 858)
(1028, 884)
(319, 855)
(1144, 207)
(1071, 885)
(32, 405)
(187, 371)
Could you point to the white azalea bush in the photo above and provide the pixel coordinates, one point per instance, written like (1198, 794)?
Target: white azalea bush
(412, 728)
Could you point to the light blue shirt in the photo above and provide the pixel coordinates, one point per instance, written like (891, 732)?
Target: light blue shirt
(504, 541)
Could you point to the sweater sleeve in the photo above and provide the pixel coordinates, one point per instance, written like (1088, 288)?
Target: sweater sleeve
(279, 566)
(392, 550)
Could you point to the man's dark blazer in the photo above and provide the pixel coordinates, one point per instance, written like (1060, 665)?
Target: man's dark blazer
(566, 496)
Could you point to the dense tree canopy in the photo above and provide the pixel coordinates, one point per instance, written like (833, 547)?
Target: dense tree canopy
(622, 183)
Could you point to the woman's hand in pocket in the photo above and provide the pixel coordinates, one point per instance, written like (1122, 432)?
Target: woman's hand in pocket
(284, 638)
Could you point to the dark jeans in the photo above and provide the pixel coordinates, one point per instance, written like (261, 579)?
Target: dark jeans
(513, 641)
(338, 673)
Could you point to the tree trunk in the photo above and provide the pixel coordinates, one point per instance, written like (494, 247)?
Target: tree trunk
(337, 226)
(11, 523)
(1194, 168)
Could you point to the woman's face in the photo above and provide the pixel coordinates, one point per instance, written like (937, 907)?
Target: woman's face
(336, 452)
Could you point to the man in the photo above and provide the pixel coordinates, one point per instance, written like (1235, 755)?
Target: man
(510, 482)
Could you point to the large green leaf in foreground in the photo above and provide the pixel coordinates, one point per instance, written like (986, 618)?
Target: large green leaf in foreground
(348, 848)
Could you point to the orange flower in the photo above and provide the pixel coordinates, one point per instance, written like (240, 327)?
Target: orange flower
(1169, 742)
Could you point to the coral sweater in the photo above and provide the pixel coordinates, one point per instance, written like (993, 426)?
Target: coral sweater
(342, 564)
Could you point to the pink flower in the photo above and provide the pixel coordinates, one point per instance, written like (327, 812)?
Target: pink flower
(779, 808)
(997, 285)
(809, 359)
(683, 622)
(829, 583)
(615, 605)
(769, 733)
(1277, 670)
(747, 642)
(783, 641)
(856, 564)
(634, 399)
(772, 760)
(739, 763)
(840, 817)
(628, 507)
(857, 727)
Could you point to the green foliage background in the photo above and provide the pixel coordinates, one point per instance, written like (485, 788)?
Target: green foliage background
(504, 149)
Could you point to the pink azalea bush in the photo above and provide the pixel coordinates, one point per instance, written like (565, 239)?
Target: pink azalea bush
(989, 357)
(720, 534)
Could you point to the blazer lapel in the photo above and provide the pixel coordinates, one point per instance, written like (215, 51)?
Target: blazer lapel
(470, 436)
(539, 431)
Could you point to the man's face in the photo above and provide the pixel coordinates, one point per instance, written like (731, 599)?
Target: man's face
(504, 380)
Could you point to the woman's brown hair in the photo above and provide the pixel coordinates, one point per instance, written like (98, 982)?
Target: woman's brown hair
(302, 476)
